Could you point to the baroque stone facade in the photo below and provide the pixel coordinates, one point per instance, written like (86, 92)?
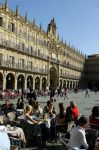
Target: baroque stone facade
(33, 58)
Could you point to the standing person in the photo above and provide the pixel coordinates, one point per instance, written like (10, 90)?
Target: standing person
(87, 93)
(77, 137)
(62, 92)
(20, 104)
(52, 93)
(58, 92)
(65, 93)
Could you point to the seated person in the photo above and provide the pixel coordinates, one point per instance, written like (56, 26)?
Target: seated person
(28, 115)
(94, 117)
(77, 137)
(4, 139)
(43, 126)
(6, 107)
(50, 109)
(69, 115)
(60, 117)
(58, 122)
(75, 110)
(20, 104)
(37, 109)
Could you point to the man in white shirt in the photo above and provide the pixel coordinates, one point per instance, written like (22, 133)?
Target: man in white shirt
(78, 138)
(4, 139)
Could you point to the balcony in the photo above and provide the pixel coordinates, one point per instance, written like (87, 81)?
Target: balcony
(25, 50)
(18, 66)
(69, 66)
(70, 76)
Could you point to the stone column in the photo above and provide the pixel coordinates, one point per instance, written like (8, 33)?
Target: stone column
(66, 83)
(34, 82)
(48, 78)
(25, 84)
(16, 83)
(40, 83)
(69, 84)
(4, 80)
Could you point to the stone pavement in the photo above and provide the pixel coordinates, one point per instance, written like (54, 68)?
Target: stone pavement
(84, 104)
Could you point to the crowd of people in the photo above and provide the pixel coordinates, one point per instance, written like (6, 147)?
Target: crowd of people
(52, 121)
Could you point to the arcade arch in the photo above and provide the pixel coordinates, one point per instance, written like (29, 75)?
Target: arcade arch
(20, 82)
(60, 83)
(37, 83)
(30, 82)
(10, 81)
(64, 84)
(43, 84)
(53, 77)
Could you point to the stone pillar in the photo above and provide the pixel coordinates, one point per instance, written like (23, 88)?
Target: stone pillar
(25, 84)
(16, 82)
(66, 83)
(48, 78)
(40, 83)
(62, 83)
(69, 84)
(33, 83)
(4, 80)
(4, 83)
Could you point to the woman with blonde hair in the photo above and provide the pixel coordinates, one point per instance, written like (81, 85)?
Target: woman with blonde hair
(28, 112)
(42, 125)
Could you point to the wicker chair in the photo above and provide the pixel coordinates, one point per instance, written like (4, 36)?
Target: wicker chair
(15, 143)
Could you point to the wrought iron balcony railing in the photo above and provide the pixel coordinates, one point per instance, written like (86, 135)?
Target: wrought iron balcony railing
(23, 67)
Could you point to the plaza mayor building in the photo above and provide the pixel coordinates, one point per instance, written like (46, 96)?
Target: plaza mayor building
(33, 58)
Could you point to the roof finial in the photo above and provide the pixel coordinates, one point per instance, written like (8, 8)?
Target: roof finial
(62, 39)
(6, 4)
(53, 19)
(17, 10)
(40, 26)
(26, 16)
(34, 22)
(58, 37)
(65, 43)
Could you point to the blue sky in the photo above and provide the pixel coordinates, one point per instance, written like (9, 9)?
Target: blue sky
(77, 20)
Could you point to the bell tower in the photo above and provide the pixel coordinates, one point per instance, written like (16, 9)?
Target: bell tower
(51, 29)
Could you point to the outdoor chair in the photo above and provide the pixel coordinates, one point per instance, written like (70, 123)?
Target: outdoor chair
(15, 143)
(32, 132)
(65, 130)
(91, 136)
(94, 126)
(65, 141)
